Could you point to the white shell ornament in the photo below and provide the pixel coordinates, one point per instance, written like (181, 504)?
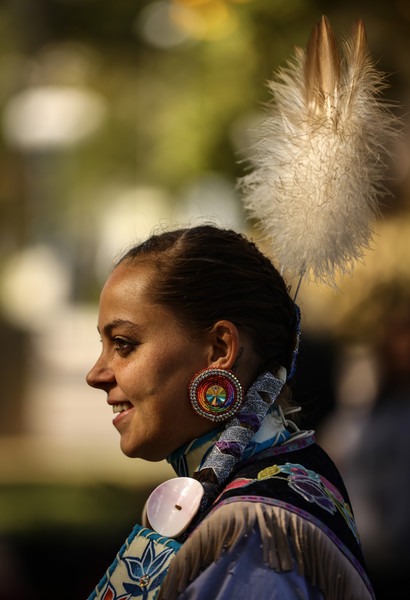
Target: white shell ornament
(172, 505)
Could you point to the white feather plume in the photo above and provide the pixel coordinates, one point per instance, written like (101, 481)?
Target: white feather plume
(320, 159)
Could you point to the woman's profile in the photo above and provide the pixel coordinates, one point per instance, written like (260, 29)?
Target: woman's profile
(198, 335)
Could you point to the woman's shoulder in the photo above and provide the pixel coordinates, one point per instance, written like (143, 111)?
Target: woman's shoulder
(239, 572)
(292, 500)
(250, 539)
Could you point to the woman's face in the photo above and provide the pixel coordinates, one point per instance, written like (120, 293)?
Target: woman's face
(147, 362)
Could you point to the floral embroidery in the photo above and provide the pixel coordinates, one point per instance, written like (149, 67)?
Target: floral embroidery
(236, 483)
(111, 594)
(147, 572)
(314, 488)
(269, 472)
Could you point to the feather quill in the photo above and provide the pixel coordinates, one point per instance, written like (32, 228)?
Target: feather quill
(320, 159)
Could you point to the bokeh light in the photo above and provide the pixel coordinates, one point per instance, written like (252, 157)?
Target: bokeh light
(52, 117)
(158, 26)
(204, 19)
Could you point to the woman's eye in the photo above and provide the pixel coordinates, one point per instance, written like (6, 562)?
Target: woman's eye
(123, 346)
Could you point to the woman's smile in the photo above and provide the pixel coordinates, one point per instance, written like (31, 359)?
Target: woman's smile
(145, 367)
(121, 410)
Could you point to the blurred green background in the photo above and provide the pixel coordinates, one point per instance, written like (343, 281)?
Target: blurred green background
(116, 118)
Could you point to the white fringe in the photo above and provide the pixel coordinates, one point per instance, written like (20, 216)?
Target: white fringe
(288, 542)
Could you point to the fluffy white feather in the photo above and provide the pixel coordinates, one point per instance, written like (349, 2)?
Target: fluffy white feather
(319, 163)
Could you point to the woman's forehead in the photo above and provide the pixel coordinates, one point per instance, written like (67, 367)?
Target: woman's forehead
(125, 296)
(127, 279)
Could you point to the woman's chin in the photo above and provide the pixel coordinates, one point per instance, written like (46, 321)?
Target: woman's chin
(128, 448)
(131, 450)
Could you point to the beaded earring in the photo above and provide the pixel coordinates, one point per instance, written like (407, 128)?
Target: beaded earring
(215, 394)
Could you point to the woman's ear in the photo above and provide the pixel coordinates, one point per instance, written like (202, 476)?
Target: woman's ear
(225, 344)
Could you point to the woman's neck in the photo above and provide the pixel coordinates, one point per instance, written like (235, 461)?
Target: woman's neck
(189, 458)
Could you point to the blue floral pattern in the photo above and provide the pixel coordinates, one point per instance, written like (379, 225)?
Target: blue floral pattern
(146, 572)
(139, 568)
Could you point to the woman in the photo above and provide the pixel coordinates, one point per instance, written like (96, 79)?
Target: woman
(198, 333)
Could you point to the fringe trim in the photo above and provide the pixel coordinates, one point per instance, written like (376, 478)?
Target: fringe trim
(315, 555)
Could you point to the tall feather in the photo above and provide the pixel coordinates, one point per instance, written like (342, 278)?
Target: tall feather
(320, 159)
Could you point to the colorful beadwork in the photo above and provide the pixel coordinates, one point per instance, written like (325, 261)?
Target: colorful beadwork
(215, 394)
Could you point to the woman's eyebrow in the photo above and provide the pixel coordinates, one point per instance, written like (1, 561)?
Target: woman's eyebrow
(108, 327)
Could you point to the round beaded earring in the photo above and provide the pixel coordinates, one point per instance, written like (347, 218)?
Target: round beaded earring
(215, 394)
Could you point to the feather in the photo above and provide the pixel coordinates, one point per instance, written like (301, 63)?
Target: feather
(320, 159)
(322, 66)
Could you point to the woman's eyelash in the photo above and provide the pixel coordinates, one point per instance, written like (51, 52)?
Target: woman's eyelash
(124, 345)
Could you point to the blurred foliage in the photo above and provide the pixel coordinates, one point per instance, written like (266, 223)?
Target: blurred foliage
(171, 112)
(35, 507)
(175, 108)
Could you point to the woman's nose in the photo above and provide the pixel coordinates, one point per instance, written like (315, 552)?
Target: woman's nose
(100, 376)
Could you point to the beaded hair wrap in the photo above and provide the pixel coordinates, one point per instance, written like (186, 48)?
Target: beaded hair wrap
(237, 434)
(296, 350)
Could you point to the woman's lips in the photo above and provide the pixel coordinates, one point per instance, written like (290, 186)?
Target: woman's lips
(121, 410)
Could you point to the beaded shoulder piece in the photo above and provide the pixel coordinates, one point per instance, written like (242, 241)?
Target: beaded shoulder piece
(139, 567)
(294, 497)
(299, 477)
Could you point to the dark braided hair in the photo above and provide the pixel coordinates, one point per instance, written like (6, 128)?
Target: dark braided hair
(206, 274)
